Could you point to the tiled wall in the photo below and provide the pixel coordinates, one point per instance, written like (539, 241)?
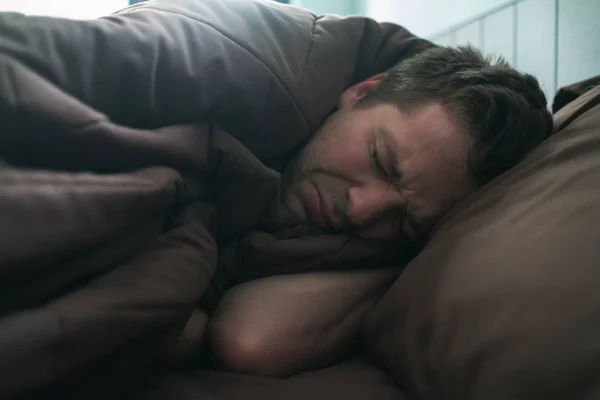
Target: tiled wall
(556, 40)
(427, 17)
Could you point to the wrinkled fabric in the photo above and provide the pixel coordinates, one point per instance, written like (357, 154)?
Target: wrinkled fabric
(352, 379)
(141, 159)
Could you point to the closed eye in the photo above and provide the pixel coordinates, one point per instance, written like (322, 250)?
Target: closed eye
(375, 156)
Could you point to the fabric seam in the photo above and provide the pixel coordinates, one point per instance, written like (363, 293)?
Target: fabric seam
(309, 51)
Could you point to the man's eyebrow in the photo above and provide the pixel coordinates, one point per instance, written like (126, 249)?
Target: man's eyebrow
(394, 162)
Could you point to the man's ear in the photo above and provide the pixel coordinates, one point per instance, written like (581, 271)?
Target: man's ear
(358, 91)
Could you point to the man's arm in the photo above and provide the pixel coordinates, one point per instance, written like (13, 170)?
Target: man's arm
(282, 325)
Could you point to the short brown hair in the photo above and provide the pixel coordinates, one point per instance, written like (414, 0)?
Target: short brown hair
(504, 111)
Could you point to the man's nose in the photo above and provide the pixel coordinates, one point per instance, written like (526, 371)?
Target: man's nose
(367, 203)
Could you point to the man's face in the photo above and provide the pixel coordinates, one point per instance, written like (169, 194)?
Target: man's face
(378, 172)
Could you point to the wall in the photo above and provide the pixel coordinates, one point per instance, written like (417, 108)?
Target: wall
(556, 40)
(428, 17)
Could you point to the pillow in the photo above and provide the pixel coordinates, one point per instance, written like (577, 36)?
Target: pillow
(504, 302)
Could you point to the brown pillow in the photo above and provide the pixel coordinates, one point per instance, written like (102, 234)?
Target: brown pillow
(504, 302)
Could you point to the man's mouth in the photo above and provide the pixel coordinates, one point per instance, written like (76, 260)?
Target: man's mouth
(327, 213)
(320, 212)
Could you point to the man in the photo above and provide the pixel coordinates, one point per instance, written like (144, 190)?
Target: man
(400, 150)
(185, 155)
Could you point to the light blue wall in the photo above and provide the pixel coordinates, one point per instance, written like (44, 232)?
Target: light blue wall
(536, 44)
(578, 40)
(558, 41)
(429, 17)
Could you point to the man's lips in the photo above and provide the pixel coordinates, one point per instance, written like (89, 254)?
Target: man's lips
(327, 212)
(320, 213)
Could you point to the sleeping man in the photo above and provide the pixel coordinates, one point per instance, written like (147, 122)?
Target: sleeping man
(398, 152)
(270, 169)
